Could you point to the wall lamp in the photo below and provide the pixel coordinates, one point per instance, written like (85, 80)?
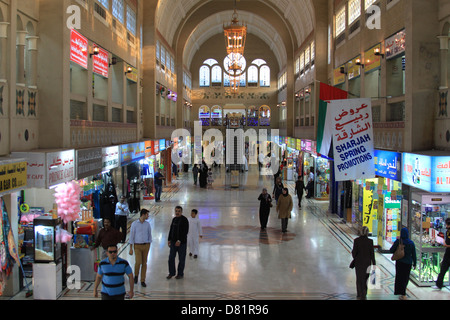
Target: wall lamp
(358, 63)
(342, 70)
(113, 61)
(95, 52)
(377, 52)
(129, 70)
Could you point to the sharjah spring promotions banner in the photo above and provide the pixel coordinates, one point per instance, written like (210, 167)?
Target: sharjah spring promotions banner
(352, 139)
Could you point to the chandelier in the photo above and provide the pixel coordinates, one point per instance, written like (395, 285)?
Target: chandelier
(235, 36)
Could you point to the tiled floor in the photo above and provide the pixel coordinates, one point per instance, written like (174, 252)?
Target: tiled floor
(238, 261)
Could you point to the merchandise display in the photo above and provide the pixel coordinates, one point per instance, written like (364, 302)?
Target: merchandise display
(428, 213)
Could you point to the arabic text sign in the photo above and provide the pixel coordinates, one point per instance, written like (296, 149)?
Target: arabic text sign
(78, 49)
(60, 167)
(387, 164)
(352, 139)
(101, 63)
(89, 162)
(13, 176)
(416, 171)
(441, 174)
(395, 45)
(110, 158)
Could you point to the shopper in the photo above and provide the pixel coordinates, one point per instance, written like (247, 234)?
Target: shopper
(195, 173)
(277, 189)
(284, 208)
(403, 266)
(445, 265)
(111, 272)
(195, 233)
(265, 203)
(107, 235)
(203, 174)
(122, 212)
(140, 239)
(158, 185)
(177, 241)
(299, 188)
(363, 257)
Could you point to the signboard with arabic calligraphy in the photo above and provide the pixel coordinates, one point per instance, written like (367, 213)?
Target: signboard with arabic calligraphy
(13, 176)
(78, 49)
(60, 167)
(89, 162)
(101, 63)
(395, 45)
(110, 158)
(441, 174)
(387, 164)
(352, 139)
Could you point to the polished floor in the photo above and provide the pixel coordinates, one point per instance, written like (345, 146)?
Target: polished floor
(238, 261)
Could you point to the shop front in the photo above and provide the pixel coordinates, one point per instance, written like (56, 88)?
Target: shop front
(317, 167)
(130, 156)
(428, 174)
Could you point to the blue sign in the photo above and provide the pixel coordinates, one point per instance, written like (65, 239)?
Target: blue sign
(388, 164)
(162, 144)
(441, 174)
(416, 171)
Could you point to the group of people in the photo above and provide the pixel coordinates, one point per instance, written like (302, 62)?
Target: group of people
(364, 257)
(184, 232)
(202, 174)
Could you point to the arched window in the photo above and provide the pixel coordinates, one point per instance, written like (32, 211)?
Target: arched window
(204, 76)
(264, 76)
(216, 75)
(204, 115)
(252, 76)
(216, 116)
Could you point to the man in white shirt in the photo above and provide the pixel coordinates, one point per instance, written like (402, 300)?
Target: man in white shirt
(122, 212)
(140, 239)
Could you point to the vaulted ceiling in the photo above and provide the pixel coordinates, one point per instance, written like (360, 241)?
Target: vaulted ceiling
(283, 24)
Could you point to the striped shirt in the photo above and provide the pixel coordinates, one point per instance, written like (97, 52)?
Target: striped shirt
(113, 283)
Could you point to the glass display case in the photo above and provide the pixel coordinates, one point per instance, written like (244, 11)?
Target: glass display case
(46, 248)
(428, 214)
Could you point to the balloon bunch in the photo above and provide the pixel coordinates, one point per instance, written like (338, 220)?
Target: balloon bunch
(67, 197)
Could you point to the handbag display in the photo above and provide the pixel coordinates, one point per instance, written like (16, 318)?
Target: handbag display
(399, 252)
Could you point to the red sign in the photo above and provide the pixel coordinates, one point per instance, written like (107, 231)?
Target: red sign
(101, 62)
(78, 49)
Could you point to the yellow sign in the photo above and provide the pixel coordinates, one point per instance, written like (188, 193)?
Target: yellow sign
(133, 75)
(13, 176)
(353, 70)
(370, 208)
(372, 61)
(338, 76)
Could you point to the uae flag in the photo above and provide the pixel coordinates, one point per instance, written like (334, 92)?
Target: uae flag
(324, 134)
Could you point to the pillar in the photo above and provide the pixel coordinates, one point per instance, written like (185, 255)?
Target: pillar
(20, 51)
(3, 46)
(32, 61)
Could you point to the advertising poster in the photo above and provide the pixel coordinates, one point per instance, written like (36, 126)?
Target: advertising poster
(130, 153)
(416, 171)
(78, 49)
(351, 125)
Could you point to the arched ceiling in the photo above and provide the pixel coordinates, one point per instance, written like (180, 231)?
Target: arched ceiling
(297, 14)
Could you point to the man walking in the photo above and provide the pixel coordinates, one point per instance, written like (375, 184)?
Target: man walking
(122, 212)
(177, 242)
(106, 236)
(111, 272)
(158, 185)
(140, 239)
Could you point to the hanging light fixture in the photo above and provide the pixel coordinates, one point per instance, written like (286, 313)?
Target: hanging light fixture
(235, 37)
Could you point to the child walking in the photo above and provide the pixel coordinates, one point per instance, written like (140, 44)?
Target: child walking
(195, 233)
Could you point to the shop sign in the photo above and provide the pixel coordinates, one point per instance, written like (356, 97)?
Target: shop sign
(148, 148)
(299, 144)
(36, 168)
(89, 162)
(441, 174)
(416, 171)
(78, 49)
(156, 147)
(388, 164)
(60, 167)
(372, 61)
(162, 144)
(101, 63)
(13, 176)
(351, 127)
(338, 77)
(132, 152)
(395, 45)
(110, 158)
(353, 70)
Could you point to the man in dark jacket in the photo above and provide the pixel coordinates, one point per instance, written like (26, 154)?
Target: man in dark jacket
(445, 265)
(177, 242)
(363, 257)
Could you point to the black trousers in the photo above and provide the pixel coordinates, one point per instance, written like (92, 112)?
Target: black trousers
(402, 272)
(361, 282)
(121, 223)
(445, 265)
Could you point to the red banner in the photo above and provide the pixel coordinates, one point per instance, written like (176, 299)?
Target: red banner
(101, 63)
(78, 49)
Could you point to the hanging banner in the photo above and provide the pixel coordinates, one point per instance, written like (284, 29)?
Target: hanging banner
(78, 49)
(351, 125)
(101, 63)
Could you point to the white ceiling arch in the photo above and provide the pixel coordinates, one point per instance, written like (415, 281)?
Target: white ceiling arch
(298, 15)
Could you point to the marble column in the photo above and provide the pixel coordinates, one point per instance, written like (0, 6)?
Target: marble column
(32, 61)
(4, 48)
(20, 50)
